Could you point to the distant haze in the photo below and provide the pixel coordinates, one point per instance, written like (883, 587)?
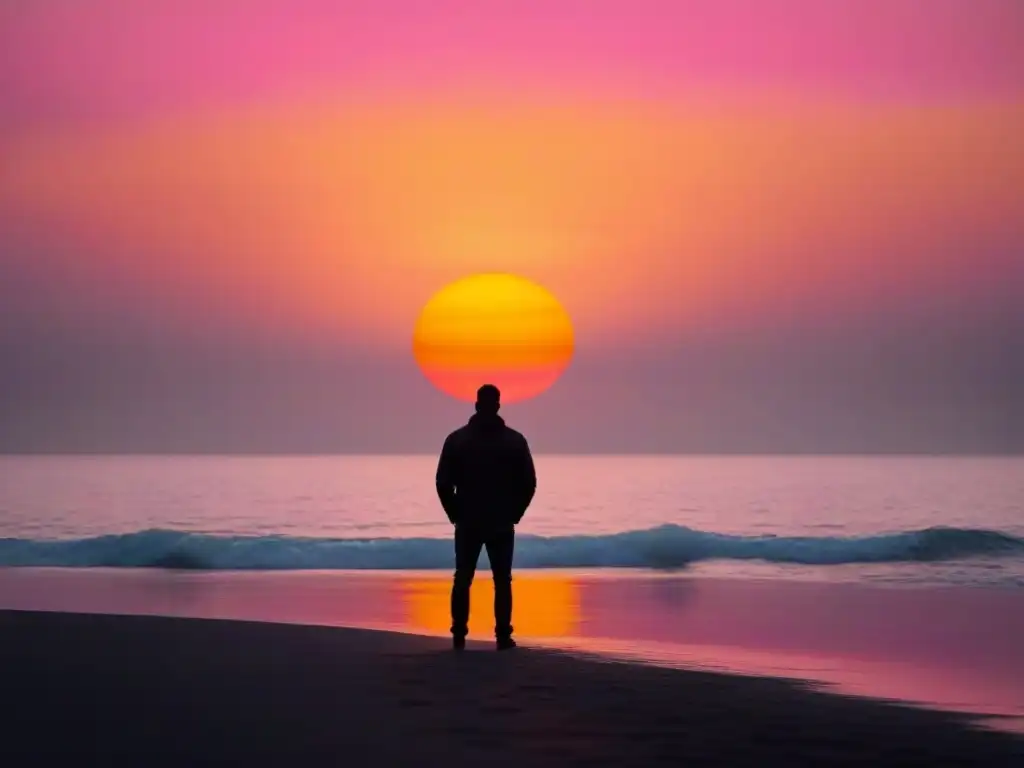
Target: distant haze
(783, 227)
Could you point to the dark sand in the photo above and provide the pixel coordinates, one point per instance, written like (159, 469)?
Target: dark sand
(147, 691)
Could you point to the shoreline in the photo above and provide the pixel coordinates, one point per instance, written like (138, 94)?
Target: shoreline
(134, 690)
(954, 649)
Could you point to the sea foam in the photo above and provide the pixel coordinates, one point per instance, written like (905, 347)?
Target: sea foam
(667, 546)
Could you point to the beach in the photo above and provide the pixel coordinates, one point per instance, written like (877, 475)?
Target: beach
(951, 648)
(143, 690)
(226, 610)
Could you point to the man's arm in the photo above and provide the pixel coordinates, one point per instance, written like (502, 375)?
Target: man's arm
(529, 480)
(445, 479)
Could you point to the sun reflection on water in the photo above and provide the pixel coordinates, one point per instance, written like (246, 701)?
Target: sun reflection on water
(545, 606)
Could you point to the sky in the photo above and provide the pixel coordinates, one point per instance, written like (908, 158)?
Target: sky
(792, 227)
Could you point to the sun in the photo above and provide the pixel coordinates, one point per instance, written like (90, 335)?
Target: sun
(493, 328)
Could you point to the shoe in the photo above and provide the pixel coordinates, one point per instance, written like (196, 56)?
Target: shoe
(459, 643)
(505, 643)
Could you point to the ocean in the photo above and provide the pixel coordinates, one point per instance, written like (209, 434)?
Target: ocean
(899, 578)
(923, 521)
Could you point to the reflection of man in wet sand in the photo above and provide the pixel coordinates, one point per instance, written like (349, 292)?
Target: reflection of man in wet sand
(485, 480)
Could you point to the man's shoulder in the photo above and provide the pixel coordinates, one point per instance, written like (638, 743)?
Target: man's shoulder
(514, 434)
(515, 437)
(456, 435)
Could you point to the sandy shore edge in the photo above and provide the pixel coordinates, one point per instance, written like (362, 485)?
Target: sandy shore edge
(133, 690)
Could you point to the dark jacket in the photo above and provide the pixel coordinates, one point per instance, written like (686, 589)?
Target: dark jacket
(485, 476)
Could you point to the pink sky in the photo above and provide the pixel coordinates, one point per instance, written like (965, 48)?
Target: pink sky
(91, 58)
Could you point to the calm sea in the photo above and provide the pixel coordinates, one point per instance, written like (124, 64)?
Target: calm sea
(921, 521)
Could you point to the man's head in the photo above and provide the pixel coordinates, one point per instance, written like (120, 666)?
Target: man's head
(488, 399)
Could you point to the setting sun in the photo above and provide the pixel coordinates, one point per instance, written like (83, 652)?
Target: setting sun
(493, 328)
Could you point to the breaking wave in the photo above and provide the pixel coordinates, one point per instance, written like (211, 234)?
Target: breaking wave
(667, 546)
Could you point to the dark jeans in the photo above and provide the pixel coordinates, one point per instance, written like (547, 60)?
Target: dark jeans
(500, 546)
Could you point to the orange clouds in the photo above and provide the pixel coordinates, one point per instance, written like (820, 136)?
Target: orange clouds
(637, 216)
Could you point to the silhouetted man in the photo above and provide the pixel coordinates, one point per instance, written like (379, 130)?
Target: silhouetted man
(485, 480)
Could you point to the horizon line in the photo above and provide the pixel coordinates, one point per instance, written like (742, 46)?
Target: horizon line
(565, 454)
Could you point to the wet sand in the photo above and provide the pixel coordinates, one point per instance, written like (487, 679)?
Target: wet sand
(951, 648)
(142, 690)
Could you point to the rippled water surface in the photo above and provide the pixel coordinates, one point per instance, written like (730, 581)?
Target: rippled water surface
(901, 520)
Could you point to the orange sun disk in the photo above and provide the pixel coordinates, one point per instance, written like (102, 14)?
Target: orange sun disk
(493, 328)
